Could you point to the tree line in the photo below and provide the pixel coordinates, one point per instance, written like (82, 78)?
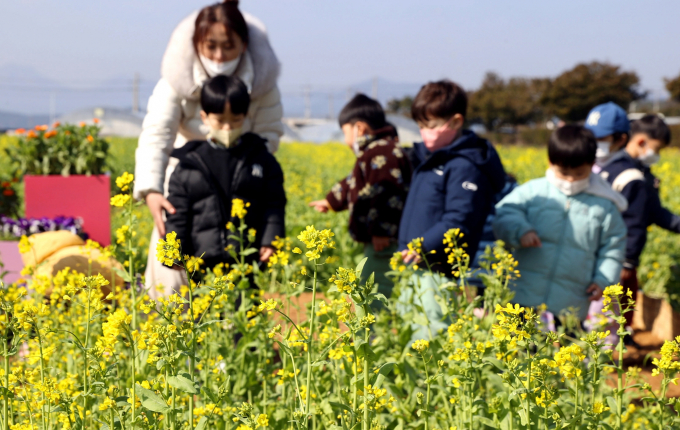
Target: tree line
(519, 101)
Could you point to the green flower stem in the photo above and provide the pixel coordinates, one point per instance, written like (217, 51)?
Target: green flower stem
(309, 346)
(85, 350)
(619, 368)
(366, 424)
(134, 395)
(46, 415)
(174, 417)
(355, 402)
(528, 394)
(5, 412)
(192, 358)
(427, 398)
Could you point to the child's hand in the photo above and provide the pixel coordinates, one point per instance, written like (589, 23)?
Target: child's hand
(320, 205)
(530, 240)
(594, 292)
(265, 253)
(410, 257)
(380, 243)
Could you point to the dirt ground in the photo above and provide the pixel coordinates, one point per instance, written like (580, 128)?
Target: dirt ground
(642, 357)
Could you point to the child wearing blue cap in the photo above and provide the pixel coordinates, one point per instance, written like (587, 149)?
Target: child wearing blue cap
(609, 123)
(629, 173)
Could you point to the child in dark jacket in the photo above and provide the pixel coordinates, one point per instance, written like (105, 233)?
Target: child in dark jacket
(629, 173)
(214, 172)
(455, 178)
(375, 191)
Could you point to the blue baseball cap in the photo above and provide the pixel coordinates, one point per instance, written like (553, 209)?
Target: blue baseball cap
(607, 119)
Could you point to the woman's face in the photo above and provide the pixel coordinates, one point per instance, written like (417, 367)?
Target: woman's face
(220, 46)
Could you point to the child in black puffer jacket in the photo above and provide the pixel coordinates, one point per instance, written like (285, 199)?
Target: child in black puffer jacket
(214, 172)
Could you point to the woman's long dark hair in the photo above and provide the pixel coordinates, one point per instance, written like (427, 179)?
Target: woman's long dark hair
(226, 13)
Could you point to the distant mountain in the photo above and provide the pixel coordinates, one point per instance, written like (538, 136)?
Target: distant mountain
(322, 100)
(25, 91)
(12, 121)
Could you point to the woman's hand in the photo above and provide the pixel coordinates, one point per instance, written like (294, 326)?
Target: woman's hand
(156, 203)
(265, 253)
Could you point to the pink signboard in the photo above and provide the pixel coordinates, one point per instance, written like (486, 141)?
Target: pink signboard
(86, 197)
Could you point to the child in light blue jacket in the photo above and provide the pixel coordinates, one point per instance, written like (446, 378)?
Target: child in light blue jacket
(566, 228)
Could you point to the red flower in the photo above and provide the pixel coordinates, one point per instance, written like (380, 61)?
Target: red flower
(6, 184)
(8, 192)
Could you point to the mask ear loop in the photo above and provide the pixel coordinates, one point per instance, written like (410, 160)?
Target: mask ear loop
(355, 143)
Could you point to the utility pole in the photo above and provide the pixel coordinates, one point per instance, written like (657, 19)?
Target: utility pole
(135, 93)
(374, 90)
(308, 102)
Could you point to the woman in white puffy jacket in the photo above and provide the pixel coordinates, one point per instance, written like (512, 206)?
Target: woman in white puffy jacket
(219, 39)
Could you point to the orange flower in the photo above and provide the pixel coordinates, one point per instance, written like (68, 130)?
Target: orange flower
(8, 192)
(41, 127)
(90, 138)
(6, 184)
(20, 131)
(67, 132)
(96, 120)
(50, 134)
(31, 134)
(56, 124)
(82, 124)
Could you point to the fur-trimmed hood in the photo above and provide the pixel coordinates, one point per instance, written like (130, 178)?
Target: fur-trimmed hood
(179, 58)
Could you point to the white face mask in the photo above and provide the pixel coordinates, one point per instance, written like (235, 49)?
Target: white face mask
(228, 138)
(649, 158)
(603, 153)
(567, 188)
(214, 68)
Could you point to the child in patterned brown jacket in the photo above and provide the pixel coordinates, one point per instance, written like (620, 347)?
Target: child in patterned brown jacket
(375, 191)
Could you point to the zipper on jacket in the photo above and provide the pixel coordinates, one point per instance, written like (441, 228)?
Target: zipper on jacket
(560, 241)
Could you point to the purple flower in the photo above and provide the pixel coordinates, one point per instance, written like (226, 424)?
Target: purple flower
(29, 226)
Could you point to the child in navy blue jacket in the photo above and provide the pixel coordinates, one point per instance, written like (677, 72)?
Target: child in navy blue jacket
(628, 172)
(456, 175)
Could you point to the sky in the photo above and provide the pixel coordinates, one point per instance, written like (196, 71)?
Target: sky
(331, 45)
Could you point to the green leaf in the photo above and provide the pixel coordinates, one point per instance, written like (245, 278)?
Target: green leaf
(151, 400)
(122, 274)
(344, 407)
(285, 349)
(421, 319)
(182, 383)
(209, 394)
(201, 423)
(442, 302)
(487, 422)
(360, 266)
(6, 393)
(611, 402)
